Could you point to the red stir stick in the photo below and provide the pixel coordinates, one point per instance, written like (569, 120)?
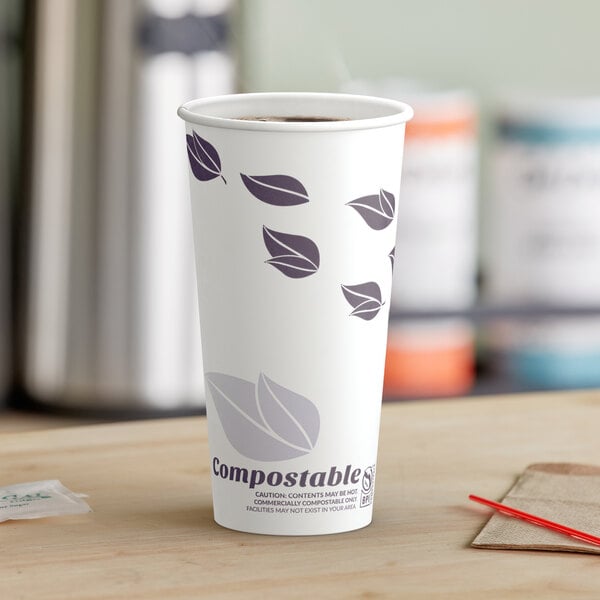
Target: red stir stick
(519, 514)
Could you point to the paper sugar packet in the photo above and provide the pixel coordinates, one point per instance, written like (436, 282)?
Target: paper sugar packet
(39, 499)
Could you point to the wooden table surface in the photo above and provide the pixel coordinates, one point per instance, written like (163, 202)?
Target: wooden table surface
(151, 534)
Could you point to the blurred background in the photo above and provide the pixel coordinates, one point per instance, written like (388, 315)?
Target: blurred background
(497, 264)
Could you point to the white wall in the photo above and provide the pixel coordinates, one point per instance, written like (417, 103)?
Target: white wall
(484, 44)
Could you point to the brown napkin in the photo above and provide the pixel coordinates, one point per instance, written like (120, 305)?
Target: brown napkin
(568, 494)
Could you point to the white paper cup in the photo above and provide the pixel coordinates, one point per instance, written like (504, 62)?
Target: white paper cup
(294, 227)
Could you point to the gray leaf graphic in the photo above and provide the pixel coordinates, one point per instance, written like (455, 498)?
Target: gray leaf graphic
(268, 422)
(377, 210)
(295, 256)
(204, 158)
(290, 415)
(280, 190)
(365, 298)
(392, 256)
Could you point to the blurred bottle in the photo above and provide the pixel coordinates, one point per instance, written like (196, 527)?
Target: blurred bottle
(429, 359)
(183, 56)
(435, 254)
(544, 233)
(112, 316)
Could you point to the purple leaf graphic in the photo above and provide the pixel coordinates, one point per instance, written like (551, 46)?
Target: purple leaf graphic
(265, 422)
(392, 256)
(294, 255)
(204, 158)
(289, 415)
(280, 190)
(377, 210)
(365, 298)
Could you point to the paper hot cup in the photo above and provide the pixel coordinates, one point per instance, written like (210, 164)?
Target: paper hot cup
(294, 228)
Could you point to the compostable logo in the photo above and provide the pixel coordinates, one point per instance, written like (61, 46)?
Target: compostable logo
(367, 486)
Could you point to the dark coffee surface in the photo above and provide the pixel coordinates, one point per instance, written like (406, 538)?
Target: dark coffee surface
(292, 119)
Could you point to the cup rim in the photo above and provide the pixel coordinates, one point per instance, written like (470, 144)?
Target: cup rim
(371, 111)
